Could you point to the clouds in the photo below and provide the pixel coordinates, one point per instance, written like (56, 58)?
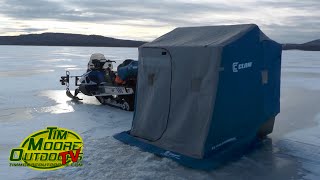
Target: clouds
(35, 9)
(285, 21)
(24, 30)
(162, 11)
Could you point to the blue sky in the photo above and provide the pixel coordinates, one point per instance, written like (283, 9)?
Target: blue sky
(284, 21)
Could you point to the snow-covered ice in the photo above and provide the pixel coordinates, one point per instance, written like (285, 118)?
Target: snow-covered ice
(31, 99)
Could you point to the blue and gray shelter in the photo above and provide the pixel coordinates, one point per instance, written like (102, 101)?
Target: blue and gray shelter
(205, 93)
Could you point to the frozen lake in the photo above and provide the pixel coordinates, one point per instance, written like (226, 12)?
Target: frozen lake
(31, 98)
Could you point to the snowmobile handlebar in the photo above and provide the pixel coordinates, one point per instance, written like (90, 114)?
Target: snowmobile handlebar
(110, 61)
(103, 60)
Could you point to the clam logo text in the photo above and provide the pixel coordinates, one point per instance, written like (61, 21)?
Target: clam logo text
(236, 66)
(49, 149)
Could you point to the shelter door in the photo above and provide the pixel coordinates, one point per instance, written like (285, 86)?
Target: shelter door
(153, 94)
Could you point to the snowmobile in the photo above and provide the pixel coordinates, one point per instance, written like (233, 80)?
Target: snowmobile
(114, 88)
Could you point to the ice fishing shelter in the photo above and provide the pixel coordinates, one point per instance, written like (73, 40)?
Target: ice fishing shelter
(205, 91)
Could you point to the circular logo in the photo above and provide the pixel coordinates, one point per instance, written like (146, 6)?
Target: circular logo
(49, 149)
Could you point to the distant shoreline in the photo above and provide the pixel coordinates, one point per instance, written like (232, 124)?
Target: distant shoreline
(308, 46)
(79, 40)
(64, 46)
(63, 39)
(284, 49)
(301, 47)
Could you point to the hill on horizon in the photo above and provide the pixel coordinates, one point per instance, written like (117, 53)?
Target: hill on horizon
(67, 39)
(308, 46)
